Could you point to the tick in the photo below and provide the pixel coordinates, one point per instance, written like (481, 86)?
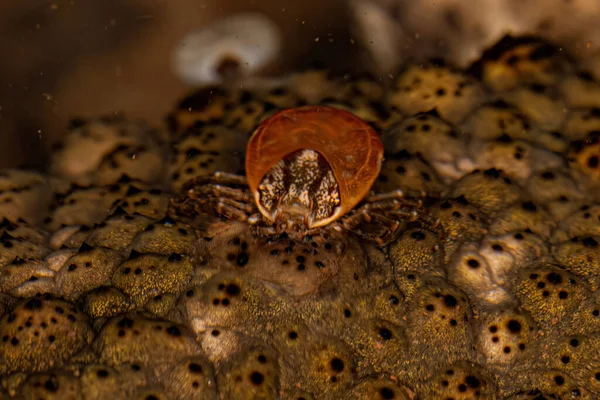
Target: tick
(307, 169)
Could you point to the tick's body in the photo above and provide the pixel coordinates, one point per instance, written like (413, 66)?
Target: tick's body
(306, 168)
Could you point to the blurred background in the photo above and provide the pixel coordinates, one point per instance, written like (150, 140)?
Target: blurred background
(66, 58)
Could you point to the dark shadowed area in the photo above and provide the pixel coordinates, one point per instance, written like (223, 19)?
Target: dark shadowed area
(65, 59)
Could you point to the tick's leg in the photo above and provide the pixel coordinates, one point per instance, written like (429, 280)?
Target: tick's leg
(220, 191)
(218, 178)
(230, 178)
(390, 201)
(214, 198)
(397, 194)
(232, 209)
(263, 230)
(387, 210)
(415, 215)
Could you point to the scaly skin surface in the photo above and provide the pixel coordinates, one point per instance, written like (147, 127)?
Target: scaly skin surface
(106, 293)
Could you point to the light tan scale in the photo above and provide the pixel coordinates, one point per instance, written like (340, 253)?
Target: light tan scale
(542, 105)
(514, 61)
(549, 292)
(204, 150)
(576, 356)
(439, 328)
(422, 88)
(557, 190)
(203, 106)
(580, 122)
(526, 216)
(409, 172)
(499, 119)
(583, 222)
(490, 190)
(88, 205)
(435, 140)
(461, 381)
(584, 156)
(505, 336)
(580, 90)
(143, 341)
(517, 158)
(580, 256)
(24, 195)
(101, 150)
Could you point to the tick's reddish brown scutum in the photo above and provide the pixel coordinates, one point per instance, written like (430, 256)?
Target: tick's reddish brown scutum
(317, 160)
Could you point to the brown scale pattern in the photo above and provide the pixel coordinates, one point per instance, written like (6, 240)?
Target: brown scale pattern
(104, 290)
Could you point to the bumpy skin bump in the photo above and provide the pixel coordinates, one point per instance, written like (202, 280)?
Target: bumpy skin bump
(144, 276)
(409, 172)
(472, 272)
(523, 216)
(58, 385)
(102, 382)
(580, 90)
(299, 267)
(423, 88)
(15, 250)
(580, 256)
(89, 205)
(152, 203)
(105, 301)
(495, 119)
(24, 195)
(517, 158)
(459, 381)
(549, 293)
(437, 141)
(557, 190)
(576, 356)
(190, 378)
(203, 150)
(22, 230)
(41, 332)
(427, 254)
(325, 366)
(541, 104)
(585, 156)
(204, 105)
(102, 150)
(580, 122)
(583, 222)
(87, 270)
(505, 336)
(377, 388)
(252, 373)
(227, 300)
(143, 341)
(460, 221)
(438, 315)
(489, 190)
(116, 232)
(514, 61)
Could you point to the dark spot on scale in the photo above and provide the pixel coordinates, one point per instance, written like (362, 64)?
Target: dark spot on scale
(257, 378)
(337, 364)
(242, 259)
(450, 301)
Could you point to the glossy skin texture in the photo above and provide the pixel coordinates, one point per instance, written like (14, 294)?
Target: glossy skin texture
(311, 165)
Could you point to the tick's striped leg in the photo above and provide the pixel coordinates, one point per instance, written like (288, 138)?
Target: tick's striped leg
(218, 178)
(220, 191)
(223, 194)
